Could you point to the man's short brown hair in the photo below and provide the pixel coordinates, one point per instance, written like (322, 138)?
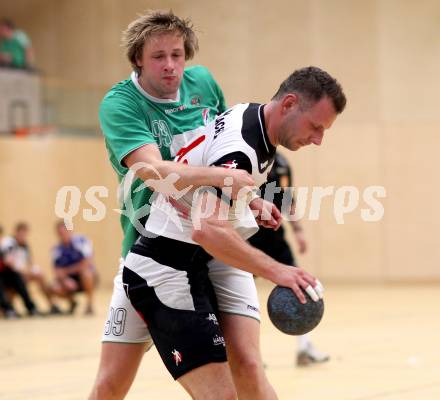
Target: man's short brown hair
(312, 84)
(21, 226)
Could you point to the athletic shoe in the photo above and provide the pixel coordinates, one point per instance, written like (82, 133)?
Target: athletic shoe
(310, 356)
(89, 310)
(12, 314)
(72, 308)
(34, 313)
(55, 310)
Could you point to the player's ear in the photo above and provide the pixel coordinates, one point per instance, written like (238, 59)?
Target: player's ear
(289, 102)
(139, 60)
(139, 55)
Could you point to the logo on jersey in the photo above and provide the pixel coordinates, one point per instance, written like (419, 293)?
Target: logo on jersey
(263, 165)
(195, 101)
(184, 150)
(249, 307)
(218, 340)
(175, 109)
(177, 356)
(212, 318)
(205, 115)
(230, 164)
(220, 123)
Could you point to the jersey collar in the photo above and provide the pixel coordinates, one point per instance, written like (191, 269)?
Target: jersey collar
(269, 147)
(135, 81)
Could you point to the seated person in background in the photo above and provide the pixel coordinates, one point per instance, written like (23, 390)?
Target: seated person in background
(74, 269)
(24, 265)
(15, 46)
(11, 279)
(5, 305)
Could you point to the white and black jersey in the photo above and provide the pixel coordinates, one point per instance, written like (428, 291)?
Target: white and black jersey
(172, 283)
(236, 139)
(21, 255)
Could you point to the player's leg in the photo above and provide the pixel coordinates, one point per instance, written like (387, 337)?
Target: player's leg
(209, 382)
(125, 340)
(307, 353)
(87, 284)
(168, 288)
(117, 369)
(15, 281)
(5, 305)
(36, 275)
(242, 335)
(65, 289)
(239, 316)
(60, 289)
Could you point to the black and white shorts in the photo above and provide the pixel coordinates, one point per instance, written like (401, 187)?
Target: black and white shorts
(234, 289)
(167, 283)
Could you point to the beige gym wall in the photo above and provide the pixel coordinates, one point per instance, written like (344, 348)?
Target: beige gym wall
(384, 52)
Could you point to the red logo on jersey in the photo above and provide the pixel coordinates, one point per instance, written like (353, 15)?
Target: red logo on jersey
(230, 164)
(188, 148)
(177, 356)
(195, 101)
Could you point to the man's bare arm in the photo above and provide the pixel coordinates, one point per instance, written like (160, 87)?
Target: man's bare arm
(187, 175)
(220, 240)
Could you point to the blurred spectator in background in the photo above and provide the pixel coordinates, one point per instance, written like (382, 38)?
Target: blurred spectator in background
(74, 269)
(23, 264)
(10, 279)
(274, 243)
(15, 46)
(5, 306)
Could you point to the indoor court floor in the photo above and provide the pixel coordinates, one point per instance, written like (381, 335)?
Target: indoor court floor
(383, 342)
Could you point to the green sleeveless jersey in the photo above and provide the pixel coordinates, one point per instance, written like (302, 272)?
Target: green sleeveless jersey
(131, 118)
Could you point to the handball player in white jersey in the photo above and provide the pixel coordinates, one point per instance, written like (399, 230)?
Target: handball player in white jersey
(166, 272)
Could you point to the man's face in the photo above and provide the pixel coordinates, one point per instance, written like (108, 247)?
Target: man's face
(21, 235)
(6, 32)
(162, 63)
(63, 234)
(302, 127)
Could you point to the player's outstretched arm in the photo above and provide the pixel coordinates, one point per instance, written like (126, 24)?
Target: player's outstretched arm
(148, 164)
(220, 240)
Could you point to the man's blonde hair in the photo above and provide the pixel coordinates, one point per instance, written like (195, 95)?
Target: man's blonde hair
(154, 23)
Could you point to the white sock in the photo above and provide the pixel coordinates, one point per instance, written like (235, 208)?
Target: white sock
(303, 342)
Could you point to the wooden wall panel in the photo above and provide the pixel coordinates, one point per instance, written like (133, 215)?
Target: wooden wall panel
(385, 53)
